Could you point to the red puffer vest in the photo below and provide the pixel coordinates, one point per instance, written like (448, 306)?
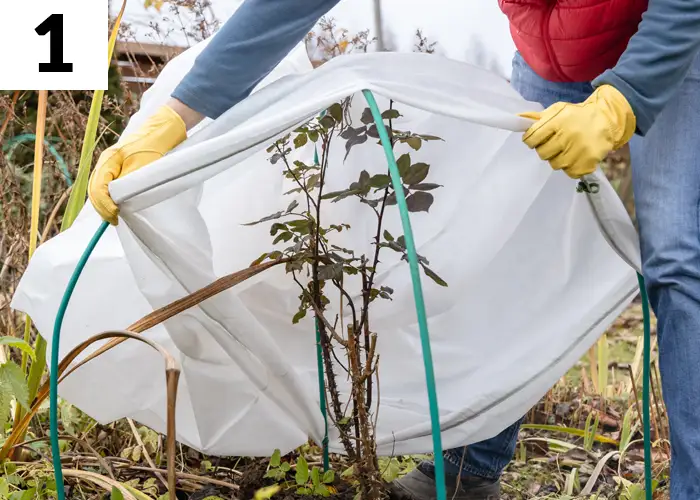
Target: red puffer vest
(572, 40)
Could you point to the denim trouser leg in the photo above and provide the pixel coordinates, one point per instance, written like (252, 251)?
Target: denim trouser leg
(666, 178)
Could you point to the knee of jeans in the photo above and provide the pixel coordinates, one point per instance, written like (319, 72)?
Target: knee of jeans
(670, 262)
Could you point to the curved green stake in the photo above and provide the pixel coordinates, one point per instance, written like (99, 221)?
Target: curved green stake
(321, 377)
(53, 376)
(322, 397)
(645, 389)
(11, 144)
(417, 294)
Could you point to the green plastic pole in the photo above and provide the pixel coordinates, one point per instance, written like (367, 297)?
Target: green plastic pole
(417, 294)
(322, 397)
(53, 376)
(646, 418)
(321, 377)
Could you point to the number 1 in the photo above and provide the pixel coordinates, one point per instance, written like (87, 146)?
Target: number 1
(54, 25)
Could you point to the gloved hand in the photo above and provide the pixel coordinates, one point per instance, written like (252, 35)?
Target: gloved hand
(575, 138)
(159, 134)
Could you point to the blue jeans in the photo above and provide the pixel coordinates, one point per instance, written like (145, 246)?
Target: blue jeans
(666, 181)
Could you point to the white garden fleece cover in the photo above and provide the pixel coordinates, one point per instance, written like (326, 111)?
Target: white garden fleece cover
(536, 270)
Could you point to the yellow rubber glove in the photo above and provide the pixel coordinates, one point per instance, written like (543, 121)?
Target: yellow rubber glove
(159, 134)
(575, 138)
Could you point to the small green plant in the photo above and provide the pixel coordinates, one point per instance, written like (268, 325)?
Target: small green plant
(13, 384)
(627, 430)
(277, 469)
(312, 482)
(590, 431)
(632, 491)
(14, 487)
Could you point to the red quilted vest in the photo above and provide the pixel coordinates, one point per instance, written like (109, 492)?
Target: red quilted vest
(572, 40)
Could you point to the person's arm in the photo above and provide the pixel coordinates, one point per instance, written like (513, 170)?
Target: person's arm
(247, 48)
(657, 58)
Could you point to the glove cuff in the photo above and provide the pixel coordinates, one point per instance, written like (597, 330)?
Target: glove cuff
(621, 114)
(161, 132)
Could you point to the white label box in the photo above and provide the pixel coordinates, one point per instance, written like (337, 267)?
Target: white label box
(53, 44)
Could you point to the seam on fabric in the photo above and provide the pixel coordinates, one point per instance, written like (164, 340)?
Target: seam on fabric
(628, 296)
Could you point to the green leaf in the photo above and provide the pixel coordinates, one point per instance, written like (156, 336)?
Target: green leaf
(367, 116)
(327, 122)
(276, 227)
(626, 431)
(388, 236)
(414, 142)
(265, 219)
(23, 495)
(298, 316)
(431, 138)
(404, 164)
(302, 474)
(292, 206)
(300, 140)
(569, 430)
(391, 114)
(427, 186)
(352, 132)
(364, 181)
(274, 473)
(285, 467)
(315, 476)
(313, 135)
(19, 344)
(334, 271)
(312, 181)
(416, 174)
(300, 226)
(390, 470)
(380, 181)
(329, 477)
(431, 274)
(266, 492)
(419, 202)
(336, 111)
(321, 490)
(116, 494)
(260, 259)
(372, 131)
(354, 141)
(12, 380)
(276, 459)
(283, 237)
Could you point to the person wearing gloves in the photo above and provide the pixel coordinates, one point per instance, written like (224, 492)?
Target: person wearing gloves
(604, 70)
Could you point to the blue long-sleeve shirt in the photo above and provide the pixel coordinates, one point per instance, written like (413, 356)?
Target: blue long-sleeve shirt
(247, 48)
(262, 32)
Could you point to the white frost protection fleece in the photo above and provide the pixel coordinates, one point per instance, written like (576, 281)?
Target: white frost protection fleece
(536, 270)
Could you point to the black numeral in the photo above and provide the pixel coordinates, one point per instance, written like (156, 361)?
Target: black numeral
(54, 25)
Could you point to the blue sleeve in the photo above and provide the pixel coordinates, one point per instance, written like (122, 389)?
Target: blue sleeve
(246, 49)
(657, 58)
